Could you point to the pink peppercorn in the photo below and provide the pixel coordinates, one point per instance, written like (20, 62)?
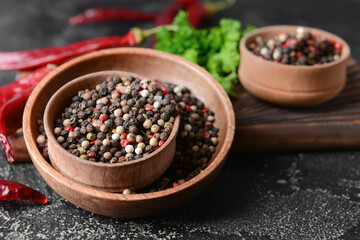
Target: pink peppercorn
(338, 46)
(103, 117)
(91, 154)
(124, 143)
(165, 90)
(149, 107)
(205, 134)
(69, 128)
(123, 135)
(120, 89)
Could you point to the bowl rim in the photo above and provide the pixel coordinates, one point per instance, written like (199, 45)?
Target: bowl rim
(66, 154)
(345, 54)
(40, 162)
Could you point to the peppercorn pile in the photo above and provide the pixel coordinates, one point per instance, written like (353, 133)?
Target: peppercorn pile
(195, 143)
(300, 48)
(122, 119)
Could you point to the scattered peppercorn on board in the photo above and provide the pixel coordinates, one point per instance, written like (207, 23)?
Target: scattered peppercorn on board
(264, 127)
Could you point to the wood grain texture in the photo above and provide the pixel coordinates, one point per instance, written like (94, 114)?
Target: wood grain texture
(153, 65)
(114, 177)
(261, 126)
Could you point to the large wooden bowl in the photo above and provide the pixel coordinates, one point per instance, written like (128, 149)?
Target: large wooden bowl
(289, 85)
(115, 177)
(151, 64)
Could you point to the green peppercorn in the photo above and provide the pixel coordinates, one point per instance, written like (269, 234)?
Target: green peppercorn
(91, 136)
(168, 125)
(83, 156)
(81, 150)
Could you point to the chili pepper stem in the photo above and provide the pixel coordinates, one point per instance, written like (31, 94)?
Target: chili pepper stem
(142, 34)
(213, 7)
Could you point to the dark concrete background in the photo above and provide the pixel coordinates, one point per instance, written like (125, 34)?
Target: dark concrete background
(283, 196)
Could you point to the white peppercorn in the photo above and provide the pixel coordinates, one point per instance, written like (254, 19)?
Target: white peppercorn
(155, 128)
(57, 131)
(153, 142)
(120, 129)
(66, 122)
(129, 148)
(147, 124)
(41, 139)
(85, 144)
(118, 112)
(106, 142)
(138, 150)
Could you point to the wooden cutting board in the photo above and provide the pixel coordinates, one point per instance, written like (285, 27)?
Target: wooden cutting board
(264, 127)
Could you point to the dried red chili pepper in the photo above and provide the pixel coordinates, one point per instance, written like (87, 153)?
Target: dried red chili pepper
(11, 118)
(105, 14)
(167, 15)
(198, 11)
(13, 97)
(9, 90)
(23, 60)
(10, 190)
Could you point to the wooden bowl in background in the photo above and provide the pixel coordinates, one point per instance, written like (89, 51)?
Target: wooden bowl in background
(153, 65)
(289, 85)
(115, 177)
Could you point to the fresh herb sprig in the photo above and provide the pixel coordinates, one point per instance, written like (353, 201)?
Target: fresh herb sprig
(216, 49)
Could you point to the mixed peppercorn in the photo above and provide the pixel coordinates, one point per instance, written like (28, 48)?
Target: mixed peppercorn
(300, 48)
(122, 119)
(195, 143)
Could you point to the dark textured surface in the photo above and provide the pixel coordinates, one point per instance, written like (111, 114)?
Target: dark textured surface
(292, 196)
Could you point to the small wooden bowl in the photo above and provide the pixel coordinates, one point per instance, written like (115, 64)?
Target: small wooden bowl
(288, 85)
(115, 177)
(153, 65)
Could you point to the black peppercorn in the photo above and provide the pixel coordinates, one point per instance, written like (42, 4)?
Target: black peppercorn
(150, 114)
(90, 128)
(133, 129)
(132, 113)
(73, 120)
(114, 143)
(125, 108)
(109, 123)
(132, 121)
(115, 79)
(94, 148)
(103, 91)
(140, 118)
(149, 149)
(131, 102)
(126, 124)
(100, 136)
(64, 133)
(75, 152)
(104, 109)
(112, 108)
(165, 116)
(119, 121)
(125, 96)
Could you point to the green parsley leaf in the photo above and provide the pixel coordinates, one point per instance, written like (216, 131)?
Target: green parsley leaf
(216, 49)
